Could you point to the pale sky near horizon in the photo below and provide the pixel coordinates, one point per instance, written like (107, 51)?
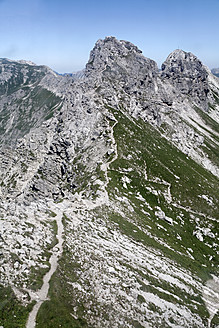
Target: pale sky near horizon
(61, 33)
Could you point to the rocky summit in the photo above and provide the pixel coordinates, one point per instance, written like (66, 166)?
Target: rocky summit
(109, 192)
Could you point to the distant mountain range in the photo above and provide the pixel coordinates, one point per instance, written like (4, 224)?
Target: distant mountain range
(215, 71)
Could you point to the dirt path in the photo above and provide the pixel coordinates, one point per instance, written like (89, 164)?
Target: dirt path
(42, 294)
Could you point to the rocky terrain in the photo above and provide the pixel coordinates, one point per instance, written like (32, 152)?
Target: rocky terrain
(109, 192)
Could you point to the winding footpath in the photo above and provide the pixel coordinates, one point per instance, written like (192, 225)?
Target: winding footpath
(42, 294)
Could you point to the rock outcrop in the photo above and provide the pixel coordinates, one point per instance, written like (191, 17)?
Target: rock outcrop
(188, 75)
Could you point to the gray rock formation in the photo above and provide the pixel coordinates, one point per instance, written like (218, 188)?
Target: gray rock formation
(188, 76)
(122, 62)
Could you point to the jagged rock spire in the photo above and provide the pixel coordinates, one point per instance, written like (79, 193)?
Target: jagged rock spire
(109, 51)
(187, 73)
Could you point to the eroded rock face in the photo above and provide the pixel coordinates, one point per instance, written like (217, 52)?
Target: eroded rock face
(187, 74)
(122, 62)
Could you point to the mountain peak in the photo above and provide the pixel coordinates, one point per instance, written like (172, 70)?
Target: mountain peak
(123, 63)
(108, 50)
(181, 54)
(183, 60)
(110, 43)
(187, 74)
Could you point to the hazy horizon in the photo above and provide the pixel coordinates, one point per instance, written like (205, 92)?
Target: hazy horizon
(61, 34)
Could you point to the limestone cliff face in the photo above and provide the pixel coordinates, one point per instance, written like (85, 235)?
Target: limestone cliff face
(122, 62)
(127, 156)
(188, 75)
(121, 74)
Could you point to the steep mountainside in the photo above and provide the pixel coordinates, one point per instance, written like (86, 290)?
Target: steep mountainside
(109, 192)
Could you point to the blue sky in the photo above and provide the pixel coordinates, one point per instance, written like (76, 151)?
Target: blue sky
(61, 33)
